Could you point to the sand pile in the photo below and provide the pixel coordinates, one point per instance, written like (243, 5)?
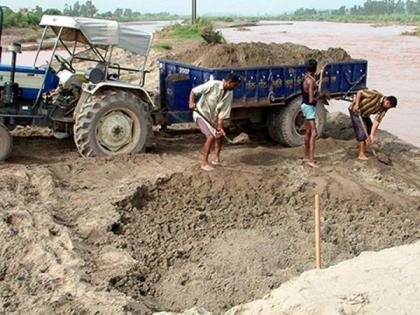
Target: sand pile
(258, 54)
(384, 283)
(373, 283)
(216, 241)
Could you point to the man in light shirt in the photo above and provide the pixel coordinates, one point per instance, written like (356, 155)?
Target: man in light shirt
(211, 110)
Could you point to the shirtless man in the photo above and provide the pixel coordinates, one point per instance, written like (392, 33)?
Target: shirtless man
(308, 107)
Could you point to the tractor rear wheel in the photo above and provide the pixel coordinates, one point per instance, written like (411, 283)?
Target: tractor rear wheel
(112, 123)
(286, 124)
(6, 142)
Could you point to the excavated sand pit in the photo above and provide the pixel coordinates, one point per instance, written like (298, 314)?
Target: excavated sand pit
(228, 238)
(152, 232)
(258, 54)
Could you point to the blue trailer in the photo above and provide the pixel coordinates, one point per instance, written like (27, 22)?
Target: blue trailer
(267, 96)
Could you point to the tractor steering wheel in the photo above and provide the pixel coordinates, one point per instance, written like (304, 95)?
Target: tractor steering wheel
(64, 64)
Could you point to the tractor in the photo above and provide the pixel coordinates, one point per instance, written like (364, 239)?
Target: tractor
(105, 115)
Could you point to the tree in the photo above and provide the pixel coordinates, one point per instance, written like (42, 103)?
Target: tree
(118, 12)
(76, 9)
(53, 12)
(128, 13)
(91, 10)
(38, 9)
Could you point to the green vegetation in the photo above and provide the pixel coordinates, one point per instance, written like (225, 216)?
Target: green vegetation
(86, 9)
(383, 11)
(162, 47)
(182, 31)
(379, 19)
(19, 19)
(203, 29)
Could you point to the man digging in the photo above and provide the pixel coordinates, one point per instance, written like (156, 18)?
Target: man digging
(211, 110)
(368, 102)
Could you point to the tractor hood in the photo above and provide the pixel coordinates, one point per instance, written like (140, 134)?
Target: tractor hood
(102, 33)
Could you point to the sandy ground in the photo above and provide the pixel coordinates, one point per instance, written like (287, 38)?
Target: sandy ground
(381, 283)
(385, 283)
(153, 233)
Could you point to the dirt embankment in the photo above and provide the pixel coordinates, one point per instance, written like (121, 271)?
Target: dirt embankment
(152, 232)
(258, 54)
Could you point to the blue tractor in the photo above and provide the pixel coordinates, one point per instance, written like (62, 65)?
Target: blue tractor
(105, 115)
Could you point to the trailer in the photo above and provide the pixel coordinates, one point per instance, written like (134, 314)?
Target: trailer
(268, 97)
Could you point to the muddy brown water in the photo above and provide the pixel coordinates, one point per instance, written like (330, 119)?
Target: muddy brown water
(394, 63)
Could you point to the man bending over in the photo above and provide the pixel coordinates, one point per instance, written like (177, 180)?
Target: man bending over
(211, 110)
(368, 102)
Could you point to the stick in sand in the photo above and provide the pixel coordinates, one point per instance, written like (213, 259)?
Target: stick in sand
(317, 233)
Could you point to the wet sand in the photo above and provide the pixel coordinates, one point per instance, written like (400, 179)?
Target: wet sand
(394, 64)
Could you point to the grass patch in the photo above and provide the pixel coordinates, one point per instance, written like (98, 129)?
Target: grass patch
(182, 31)
(26, 34)
(203, 29)
(162, 47)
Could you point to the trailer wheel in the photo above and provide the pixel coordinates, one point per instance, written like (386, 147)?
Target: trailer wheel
(112, 123)
(6, 142)
(286, 125)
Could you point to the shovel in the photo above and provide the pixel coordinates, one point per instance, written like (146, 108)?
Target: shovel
(323, 96)
(230, 141)
(380, 157)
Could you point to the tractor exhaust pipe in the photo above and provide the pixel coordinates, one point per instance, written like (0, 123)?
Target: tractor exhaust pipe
(11, 88)
(14, 48)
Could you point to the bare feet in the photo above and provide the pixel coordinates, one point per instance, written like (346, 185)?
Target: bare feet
(363, 158)
(312, 164)
(216, 163)
(207, 168)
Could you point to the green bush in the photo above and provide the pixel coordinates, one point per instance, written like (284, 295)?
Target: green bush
(203, 29)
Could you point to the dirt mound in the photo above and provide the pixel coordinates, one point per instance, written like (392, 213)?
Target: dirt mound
(220, 240)
(258, 54)
(373, 283)
(151, 232)
(378, 283)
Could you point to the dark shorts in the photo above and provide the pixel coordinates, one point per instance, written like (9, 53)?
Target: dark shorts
(361, 125)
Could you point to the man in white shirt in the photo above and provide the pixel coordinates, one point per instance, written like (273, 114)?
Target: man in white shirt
(211, 110)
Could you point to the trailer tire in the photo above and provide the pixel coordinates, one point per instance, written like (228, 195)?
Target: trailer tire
(112, 123)
(6, 142)
(285, 124)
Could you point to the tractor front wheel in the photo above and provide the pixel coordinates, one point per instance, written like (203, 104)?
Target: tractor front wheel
(6, 142)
